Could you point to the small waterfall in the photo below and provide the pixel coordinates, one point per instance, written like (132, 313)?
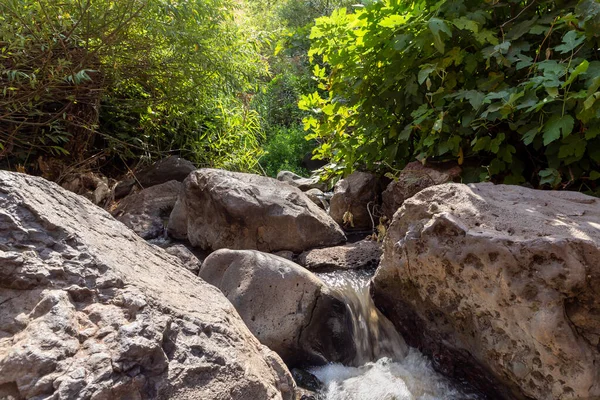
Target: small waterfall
(374, 335)
(385, 368)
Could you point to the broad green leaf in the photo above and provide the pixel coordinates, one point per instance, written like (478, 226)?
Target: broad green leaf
(571, 40)
(530, 135)
(549, 176)
(580, 69)
(424, 73)
(436, 26)
(466, 24)
(475, 98)
(393, 21)
(589, 102)
(556, 126)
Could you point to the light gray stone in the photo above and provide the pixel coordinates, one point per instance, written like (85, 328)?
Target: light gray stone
(287, 308)
(300, 182)
(221, 209)
(499, 284)
(89, 310)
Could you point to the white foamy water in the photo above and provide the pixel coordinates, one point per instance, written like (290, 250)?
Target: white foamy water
(386, 368)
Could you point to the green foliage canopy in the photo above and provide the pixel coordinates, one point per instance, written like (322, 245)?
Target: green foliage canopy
(142, 77)
(513, 85)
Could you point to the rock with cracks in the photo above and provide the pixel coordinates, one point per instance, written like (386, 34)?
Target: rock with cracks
(499, 285)
(89, 310)
(220, 209)
(286, 307)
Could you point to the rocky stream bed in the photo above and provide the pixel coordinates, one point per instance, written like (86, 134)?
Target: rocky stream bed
(207, 284)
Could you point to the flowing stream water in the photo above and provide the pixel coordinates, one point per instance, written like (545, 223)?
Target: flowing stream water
(387, 369)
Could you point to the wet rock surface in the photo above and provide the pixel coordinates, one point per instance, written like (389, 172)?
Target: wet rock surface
(220, 209)
(147, 211)
(90, 310)
(499, 286)
(361, 254)
(287, 308)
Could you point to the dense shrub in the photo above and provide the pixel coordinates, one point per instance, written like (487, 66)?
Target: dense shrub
(130, 78)
(510, 85)
(284, 150)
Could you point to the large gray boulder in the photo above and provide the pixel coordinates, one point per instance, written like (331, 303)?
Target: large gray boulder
(147, 211)
(286, 307)
(354, 199)
(221, 209)
(500, 285)
(89, 310)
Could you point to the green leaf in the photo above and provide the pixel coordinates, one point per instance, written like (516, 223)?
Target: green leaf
(466, 24)
(425, 72)
(557, 125)
(549, 176)
(594, 175)
(436, 26)
(393, 20)
(589, 102)
(530, 135)
(571, 40)
(581, 68)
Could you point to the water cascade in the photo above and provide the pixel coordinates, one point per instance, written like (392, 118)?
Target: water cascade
(385, 368)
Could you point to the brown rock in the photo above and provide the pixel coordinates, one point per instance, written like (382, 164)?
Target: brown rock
(89, 310)
(93, 186)
(317, 197)
(357, 195)
(287, 308)
(414, 178)
(499, 285)
(362, 254)
(222, 209)
(147, 211)
(172, 168)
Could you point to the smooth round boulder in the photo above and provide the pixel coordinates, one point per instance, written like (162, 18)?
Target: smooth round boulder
(498, 284)
(285, 306)
(221, 209)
